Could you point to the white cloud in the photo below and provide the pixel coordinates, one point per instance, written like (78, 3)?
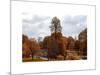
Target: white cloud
(74, 24)
(38, 26)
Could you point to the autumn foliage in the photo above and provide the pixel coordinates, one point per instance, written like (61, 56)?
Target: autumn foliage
(29, 46)
(58, 47)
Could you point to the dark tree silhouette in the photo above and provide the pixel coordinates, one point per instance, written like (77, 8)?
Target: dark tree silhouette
(55, 25)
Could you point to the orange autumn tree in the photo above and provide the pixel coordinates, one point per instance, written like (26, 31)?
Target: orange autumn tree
(29, 47)
(55, 43)
(25, 46)
(34, 46)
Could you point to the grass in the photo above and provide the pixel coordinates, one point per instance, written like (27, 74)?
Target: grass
(30, 59)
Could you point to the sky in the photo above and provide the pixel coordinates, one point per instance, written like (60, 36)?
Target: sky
(38, 26)
(36, 18)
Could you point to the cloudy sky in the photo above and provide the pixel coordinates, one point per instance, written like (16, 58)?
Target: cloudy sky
(38, 26)
(36, 18)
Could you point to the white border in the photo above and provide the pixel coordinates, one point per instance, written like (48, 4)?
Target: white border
(18, 67)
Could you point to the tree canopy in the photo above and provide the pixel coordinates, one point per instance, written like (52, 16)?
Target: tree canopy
(55, 25)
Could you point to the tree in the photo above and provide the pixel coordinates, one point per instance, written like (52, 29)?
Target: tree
(71, 43)
(55, 25)
(34, 46)
(25, 46)
(56, 43)
(77, 45)
(83, 42)
(29, 46)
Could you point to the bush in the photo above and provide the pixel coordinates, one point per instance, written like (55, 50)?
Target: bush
(60, 57)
